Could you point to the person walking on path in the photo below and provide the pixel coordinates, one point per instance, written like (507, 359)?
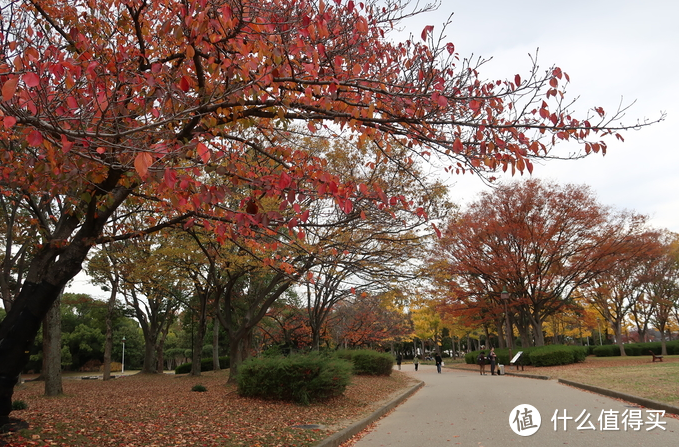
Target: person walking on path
(438, 360)
(481, 360)
(493, 359)
(416, 361)
(399, 359)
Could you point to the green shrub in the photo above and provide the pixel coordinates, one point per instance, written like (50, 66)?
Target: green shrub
(19, 405)
(607, 351)
(552, 355)
(344, 354)
(577, 354)
(372, 363)
(205, 365)
(199, 388)
(502, 356)
(298, 378)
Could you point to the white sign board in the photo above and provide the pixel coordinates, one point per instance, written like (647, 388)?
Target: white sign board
(516, 357)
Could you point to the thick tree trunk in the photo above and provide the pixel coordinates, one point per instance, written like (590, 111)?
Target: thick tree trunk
(149, 366)
(17, 333)
(51, 350)
(239, 350)
(215, 345)
(617, 327)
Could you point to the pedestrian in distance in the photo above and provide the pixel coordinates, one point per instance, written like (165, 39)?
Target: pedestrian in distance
(481, 360)
(399, 359)
(416, 361)
(493, 360)
(438, 360)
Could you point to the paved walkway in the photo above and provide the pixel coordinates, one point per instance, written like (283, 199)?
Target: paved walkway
(460, 407)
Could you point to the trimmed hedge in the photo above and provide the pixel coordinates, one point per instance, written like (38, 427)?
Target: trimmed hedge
(637, 349)
(367, 362)
(205, 365)
(298, 378)
(537, 356)
(552, 355)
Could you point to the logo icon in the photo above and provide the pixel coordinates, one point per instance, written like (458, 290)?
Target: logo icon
(525, 420)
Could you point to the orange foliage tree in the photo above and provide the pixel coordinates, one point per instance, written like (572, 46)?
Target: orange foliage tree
(110, 101)
(539, 240)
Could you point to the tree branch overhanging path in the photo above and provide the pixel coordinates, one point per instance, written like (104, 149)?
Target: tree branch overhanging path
(113, 102)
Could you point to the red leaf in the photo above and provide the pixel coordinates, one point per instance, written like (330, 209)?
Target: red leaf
(142, 162)
(457, 146)
(203, 152)
(35, 138)
(517, 80)
(284, 181)
(31, 79)
(170, 178)
(185, 84)
(427, 29)
(9, 122)
(438, 232)
(9, 88)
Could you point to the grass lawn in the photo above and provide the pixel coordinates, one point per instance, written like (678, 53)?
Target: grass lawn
(161, 410)
(637, 375)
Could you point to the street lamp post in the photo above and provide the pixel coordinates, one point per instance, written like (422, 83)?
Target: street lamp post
(123, 369)
(504, 296)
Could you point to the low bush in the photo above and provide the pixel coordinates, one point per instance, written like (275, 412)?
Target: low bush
(199, 388)
(19, 405)
(367, 362)
(637, 349)
(552, 355)
(298, 378)
(577, 354)
(372, 363)
(205, 365)
(502, 356)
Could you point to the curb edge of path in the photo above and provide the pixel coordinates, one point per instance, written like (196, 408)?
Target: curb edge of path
(336, 439)
(655, 405)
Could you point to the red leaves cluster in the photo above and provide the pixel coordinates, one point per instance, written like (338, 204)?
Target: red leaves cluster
(163, 411)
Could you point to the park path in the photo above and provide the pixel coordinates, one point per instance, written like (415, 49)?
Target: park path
(459, 407)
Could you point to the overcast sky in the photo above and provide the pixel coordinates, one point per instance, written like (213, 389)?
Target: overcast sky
(613, 51)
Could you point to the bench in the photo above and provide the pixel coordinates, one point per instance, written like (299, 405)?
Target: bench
(656, 358)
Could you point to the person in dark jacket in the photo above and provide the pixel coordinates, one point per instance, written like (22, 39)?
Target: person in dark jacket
(493, 360)
(481, 360)
(399, 359)
(438, 360)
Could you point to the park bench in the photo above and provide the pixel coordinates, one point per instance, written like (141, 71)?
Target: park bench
(656, 358)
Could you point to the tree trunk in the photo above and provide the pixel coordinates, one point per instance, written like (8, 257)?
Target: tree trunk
(663, 341)
(198, 340)
(501, 329)
(238, 351)
(617, 328)
(215, 345)
(108, 343)
(51, 350)
(150, 366)
(17, 333)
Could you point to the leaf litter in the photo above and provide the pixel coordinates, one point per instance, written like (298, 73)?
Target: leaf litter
(161, 410)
